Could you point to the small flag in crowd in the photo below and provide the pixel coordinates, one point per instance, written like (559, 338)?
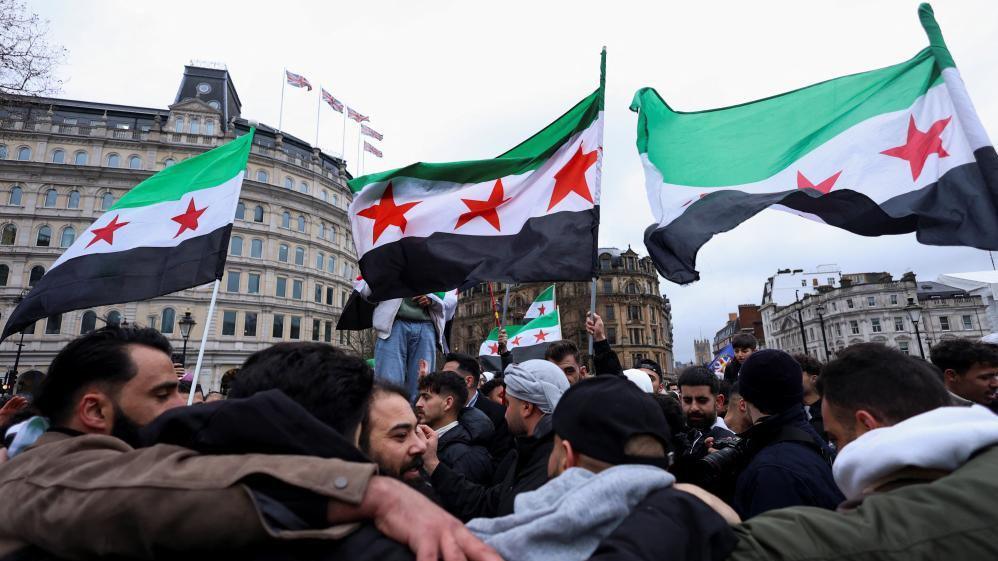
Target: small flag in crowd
(368, 131)
(356, 116)
(336, 104)
(523, 341)
(889, 151)
(297, 80)
(721, 361)
(544, 303)
(372, 149)
(168, 233)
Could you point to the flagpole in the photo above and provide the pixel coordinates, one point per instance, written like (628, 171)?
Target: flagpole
(204, 341)
(284, 86)
(592, 309)
(318, 114)
(343, 142)
(495, 308)
(505, 304)
(358, 150)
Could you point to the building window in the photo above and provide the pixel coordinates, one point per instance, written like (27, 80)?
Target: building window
(295, 328)
(15, 196)
(849, 304)
(169, 319)
(178, 124)
(113, 160)
(169, 162)
(282, 253)
(286, 220)
(328, 334)
(3, 151)
(300, 256)
(301, 223)
(322, 230)
(871, 301)
(331, 264)
(24, 153)
(838, 329)
(875, 325)
(633, 313)
(944, 323)
(303, 187)
(236, 246)
(4, 274)
(253, 283)
(898, 324)
(88, 323)
(53, 325)
(316, 329)
(631, 288)
(80, 158)
(282, 287)
(209, 127)
(58, 156)
(635, 335)
(318, 294)
(68, 236)
(894, 299)
(320, 261)
(44, 237)
(228, 322)
(233, 284)
(195, 125)
(277, 331)
(262, 176)
(134, 162)
(967, 322)
(297, 286)
(249, 324)
(106, 201)
(607, 286)
(74, 200)
(331, 234)
(256, 248)
(325, 196)
(854, 327)
(903, 346)
(240, 211)
(610, 313)
(114, 317)
(258, 214)
(329, 295)
(611, 335)
(336, 199)
(289, 183)
(51, 198)
(9, 234)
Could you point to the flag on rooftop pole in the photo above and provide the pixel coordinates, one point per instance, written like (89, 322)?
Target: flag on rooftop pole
(356, 116)
(336, 104)
(297, 80)
(889, 151)
(371, 149)
(532, 214)
(368, 131)
(525, 342)
(168, 233)
(544, 303)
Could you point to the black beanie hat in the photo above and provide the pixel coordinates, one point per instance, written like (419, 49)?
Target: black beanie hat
(771, 380)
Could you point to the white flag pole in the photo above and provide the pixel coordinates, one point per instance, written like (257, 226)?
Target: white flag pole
(318, 108)
(358, 151)
(284, 85)
(204, 341)
(343, 142)
(592, 309)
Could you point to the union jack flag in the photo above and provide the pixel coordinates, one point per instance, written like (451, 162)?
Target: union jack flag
(297, 80)
(368, 131)
(372, 149)
(336, 104)
(356, 116)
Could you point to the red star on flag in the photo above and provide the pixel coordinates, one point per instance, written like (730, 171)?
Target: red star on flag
(541, 309)
(484, 209)
(387, 213)
(106, 233)
(515, 342)
(189, 219)
(541, 336)
(572, 178)
(920, 145)
(494, 348)
(824, 187)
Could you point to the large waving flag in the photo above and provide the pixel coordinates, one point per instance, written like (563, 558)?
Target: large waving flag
(889, 151)
(523, 341)
(721, 361)
(544, 303)
(168, 233)
(532, 214)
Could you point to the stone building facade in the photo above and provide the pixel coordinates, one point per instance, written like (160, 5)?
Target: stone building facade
(638, 318)
(746, 320)
(64, 162)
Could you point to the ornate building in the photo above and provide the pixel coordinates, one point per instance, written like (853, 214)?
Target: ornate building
(64, 162)
(637, 317)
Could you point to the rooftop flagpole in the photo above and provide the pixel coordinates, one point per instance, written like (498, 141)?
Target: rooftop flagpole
(284, 85)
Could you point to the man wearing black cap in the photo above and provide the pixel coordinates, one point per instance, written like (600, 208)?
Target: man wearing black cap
(788, 463)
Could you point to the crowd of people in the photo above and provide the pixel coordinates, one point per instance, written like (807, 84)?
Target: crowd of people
(872, 455)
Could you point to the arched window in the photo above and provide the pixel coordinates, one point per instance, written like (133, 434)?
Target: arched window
(240, 211)
(58, 156)
(320, 261)
(325, 196)
(195, 126)
(322, 230)
(178, 124)
(3, 151)
(336, 199)
(51, 197)
(24, 153)
(286, 220)
(331, 264)
(113, 160)
(262, 176)
(80, 158)
(54, 325)
(114, 317)
(106, 201)
(68, 236)
(74, 200)
(282, 253)
(299, 256)
(289, 183)
(256, 248)
(236, 246)
(303, 187)
(88, 323)
(37, 272)
(4, 274)
(258, 214)
(332, 234)
(301, 223)
(134, 162)
(44, 238)
(631, 288)
(15, 196)
(9, 235)
(169, 318)
(169, 162)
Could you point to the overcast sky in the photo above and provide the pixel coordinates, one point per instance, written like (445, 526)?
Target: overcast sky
(449, 81)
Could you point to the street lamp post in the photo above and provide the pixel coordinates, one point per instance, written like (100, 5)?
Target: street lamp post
(824, 338)
(186, 323)
(12, 373)
(800, 321)
(914, 312)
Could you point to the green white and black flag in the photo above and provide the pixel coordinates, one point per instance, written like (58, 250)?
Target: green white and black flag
(525, 342)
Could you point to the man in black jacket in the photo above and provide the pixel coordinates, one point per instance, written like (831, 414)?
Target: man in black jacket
(501, 441)
(533, 389)
(439, 405)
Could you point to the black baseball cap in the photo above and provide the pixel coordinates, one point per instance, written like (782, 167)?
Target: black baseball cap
(650, 365)
(599, 415)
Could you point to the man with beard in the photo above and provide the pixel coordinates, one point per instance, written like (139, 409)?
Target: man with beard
(440, 404)
(699, 389)
(389, 436)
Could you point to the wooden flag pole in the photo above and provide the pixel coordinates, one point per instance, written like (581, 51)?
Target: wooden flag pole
(592, 310)
(284, 86)
(495, 308)
(204, 341)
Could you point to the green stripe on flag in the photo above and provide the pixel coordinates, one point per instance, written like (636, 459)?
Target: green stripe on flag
(526, 156)
(936, 42)
(210, 169)
(753, 141)
(547, 320)
(546, 296)
(511, 331)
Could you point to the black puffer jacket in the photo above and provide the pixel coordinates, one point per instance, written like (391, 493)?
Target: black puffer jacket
(457, 449)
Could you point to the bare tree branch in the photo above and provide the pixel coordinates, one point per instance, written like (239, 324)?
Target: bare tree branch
(28, 62)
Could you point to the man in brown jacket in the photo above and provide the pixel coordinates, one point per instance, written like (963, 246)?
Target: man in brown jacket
(82, 491)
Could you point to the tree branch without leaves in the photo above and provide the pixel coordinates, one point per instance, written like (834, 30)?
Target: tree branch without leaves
(27, 60)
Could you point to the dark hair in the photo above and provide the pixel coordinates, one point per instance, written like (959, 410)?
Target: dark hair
(184, 386)
(332, 384)
(559, 350)
(446, 383)
(724, 388)
(674, 417)
(492, 384)
(735, 390)
(744, 341)
(890, 384)
(466, 365)
(100, 357)
(809, 364)
(650, 365)
(960, 355)
(699, 376)
(364, 442)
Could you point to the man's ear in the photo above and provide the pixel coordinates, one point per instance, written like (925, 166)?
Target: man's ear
(95, 413)
(720, 399)
(742, 407)
(950, 374)
(866, 420)
(469, 381)
(569, 458)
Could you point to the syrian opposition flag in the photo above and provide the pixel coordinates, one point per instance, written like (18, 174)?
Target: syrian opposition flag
(368, 131)
(297, 80)
(168, 233)
(532, 214)
(336, 104)
(356, 116)
(525, 342)
(544, 303)
(889, 151)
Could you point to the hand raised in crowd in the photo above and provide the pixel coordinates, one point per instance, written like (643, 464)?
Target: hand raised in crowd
(11, 408)
(594, 325)
(422, 301)
(503, 338)
(406, 516)
(424, 369)
(429, 437)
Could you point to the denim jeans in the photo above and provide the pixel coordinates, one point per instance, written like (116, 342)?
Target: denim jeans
(396, 359)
